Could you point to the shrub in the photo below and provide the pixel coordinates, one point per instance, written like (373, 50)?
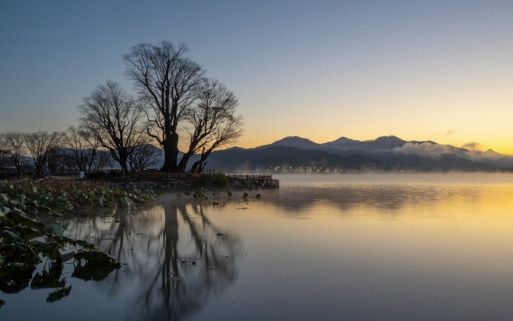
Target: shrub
(116, 173)
(95, 175)
(209, 181)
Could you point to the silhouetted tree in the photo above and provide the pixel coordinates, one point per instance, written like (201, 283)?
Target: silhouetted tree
(167, 83)
(4, 152)
(83, 146)
(143, 156)
(58, 159)
(213, 120)
(39, 144)
(101, 160)
(113, 118)
(15, 146)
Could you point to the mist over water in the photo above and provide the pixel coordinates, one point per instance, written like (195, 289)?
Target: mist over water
(324, 247)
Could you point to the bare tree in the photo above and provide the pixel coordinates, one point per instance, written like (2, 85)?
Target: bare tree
(113, 118)
(39, 144)
(83, 146)
(15, 146)
(214, 123)
(4, 152)
(101, 159)
(56, 160)
(167, 83)
(144, 156)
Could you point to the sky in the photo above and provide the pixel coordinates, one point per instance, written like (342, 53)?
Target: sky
(420, 70)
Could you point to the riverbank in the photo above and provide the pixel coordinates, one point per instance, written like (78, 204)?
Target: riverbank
(188, 183)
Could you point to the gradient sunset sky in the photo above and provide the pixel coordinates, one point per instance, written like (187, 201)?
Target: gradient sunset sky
(420, 70)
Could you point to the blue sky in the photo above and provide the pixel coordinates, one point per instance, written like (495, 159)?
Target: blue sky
(438, 70)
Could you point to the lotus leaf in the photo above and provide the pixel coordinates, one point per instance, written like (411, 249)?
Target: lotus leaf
(44, 247)
(10, 236)
(47, 280)
(95, 273)
(49, 249)
(27, 232)
(18, 278)
(85, 244)
(19, 218)
(94, 257)
(58, 294)
(4, 210)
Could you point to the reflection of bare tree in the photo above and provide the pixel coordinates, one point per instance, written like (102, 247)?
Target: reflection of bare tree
(174, 258)
(196, 266)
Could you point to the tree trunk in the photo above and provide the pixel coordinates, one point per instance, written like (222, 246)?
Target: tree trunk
(170, 153)
(202, 167)
(123, 163)
(194, 166)
(199, 165)
(182, 166)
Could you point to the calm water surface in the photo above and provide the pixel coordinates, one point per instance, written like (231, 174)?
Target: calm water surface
(341, 247)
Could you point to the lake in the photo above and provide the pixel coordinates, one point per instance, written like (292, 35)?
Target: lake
(323, 247)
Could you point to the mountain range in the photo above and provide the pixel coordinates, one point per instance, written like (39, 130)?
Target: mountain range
(386, 153)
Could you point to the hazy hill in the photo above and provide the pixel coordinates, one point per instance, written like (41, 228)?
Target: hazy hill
(284, 156)
(295, 141)
(379, 144)
(384, 153)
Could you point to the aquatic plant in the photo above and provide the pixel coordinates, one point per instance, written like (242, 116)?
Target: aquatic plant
(25, 242)
(66, 196)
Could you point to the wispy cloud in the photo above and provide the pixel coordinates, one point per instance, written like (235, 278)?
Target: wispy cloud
(450, 132)
(474, 152)
(473, 146)
(424, 149)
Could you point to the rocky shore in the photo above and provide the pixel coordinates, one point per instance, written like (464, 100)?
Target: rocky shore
(239, 182)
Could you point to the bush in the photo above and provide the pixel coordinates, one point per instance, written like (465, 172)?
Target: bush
(209, 181)
(116, 173)
(95, 175)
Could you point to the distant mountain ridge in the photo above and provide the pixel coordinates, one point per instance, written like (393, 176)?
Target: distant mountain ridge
(383, 153)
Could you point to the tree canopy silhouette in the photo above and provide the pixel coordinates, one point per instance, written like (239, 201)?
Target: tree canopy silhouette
(171, 86)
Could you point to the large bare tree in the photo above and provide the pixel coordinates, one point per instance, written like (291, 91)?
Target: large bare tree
(39, 144)
(113, 117)
(213, 120)
(167, 82)
(15, 146)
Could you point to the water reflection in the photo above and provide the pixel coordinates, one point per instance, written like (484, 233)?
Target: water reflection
(360, 251)
(174, 259)
(296, 200)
